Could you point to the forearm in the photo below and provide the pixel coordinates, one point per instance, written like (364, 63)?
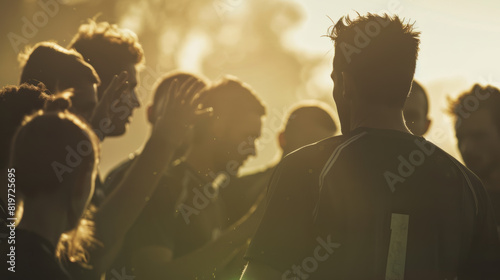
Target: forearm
(211, 258)
(123, 206)
(257, 271)
(192, 266)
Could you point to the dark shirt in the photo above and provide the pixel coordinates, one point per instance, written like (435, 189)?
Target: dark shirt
(34, 259)
(183, 214)
(376, 204)
(495, 202)
(243, 192)
(99, 192)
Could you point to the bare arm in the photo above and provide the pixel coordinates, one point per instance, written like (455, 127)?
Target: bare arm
(154, 262)
(123, 206)
(258, 271)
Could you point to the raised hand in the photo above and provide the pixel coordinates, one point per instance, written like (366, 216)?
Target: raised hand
(177, 111)
(113, 93)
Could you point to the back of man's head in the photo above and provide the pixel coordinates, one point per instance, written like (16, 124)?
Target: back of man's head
(380, 54)
(231, 100)
(16, 102)
(109, 49)
(56, 67)
(306, 124)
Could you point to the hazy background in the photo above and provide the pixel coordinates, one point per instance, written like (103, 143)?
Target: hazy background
(276, 46)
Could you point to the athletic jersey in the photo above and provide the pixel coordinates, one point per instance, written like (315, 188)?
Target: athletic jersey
(377, 204)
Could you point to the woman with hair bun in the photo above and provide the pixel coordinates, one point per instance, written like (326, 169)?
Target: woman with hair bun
(53, 160)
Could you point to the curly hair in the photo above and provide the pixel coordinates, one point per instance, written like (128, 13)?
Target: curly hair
(477, 98)
(107, 48)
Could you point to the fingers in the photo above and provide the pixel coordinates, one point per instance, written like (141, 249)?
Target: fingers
(164, 102)
(117, 85)
(194, 97)
(181, 96)
(173, 88)
(186, 87)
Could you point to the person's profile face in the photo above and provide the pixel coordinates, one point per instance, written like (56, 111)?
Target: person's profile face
(478, 140)
(122, 109)
(415, 113)
(238, 140)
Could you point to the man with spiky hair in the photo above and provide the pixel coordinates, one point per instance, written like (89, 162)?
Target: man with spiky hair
(117, 56)
(376, 202)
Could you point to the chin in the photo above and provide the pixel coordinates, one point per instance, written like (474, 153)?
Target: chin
(118, 131)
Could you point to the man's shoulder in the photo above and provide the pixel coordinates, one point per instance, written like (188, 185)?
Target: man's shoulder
(314, 153)
(299, 171)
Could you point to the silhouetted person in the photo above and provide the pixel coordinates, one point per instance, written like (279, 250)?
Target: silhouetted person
(376, 202)
(117, 56)
(133, 189)
(52, 204)
(60, 69)
(16, 102)
(170, 85)
(305, 124)
(477, 128)
(416, 110)
(182, 232)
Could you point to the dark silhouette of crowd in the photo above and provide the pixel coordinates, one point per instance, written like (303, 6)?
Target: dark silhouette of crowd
(366, 198)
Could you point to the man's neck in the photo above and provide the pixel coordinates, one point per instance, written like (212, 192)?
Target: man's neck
(380, 118)
(48, 223)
